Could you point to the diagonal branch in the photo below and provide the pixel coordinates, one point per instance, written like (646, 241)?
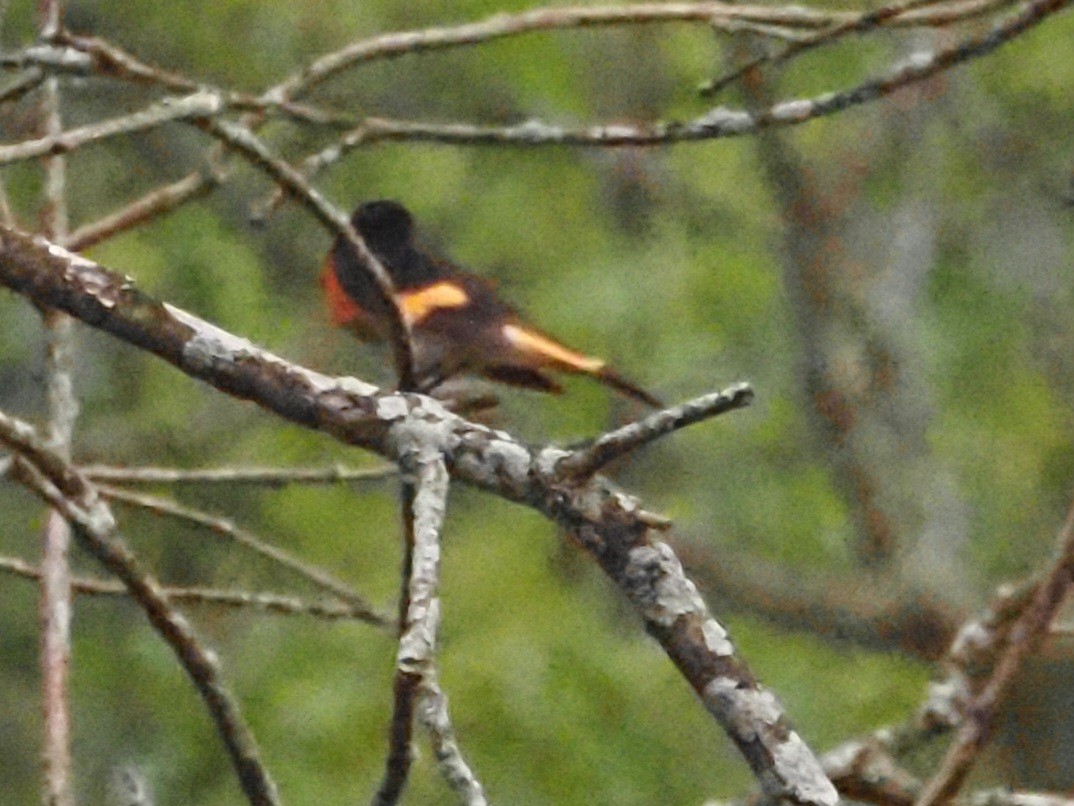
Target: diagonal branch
(910, 10)
(1024, 638)
(603, 521)
(79, 55)
(433, 716)
(609, 447)
(225, 528)
(59, 483)
(155, 203)
(242, 140)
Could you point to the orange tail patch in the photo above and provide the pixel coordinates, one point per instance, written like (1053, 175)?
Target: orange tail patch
(552, 352)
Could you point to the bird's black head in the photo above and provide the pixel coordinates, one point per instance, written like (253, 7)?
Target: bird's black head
(386, 226)
(388, 230)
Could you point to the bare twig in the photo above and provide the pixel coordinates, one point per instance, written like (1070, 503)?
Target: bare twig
(866, 771)
(609, 447)
(716, 123)
(860, 24)
(76, 54)
(48, 475)
(25, 82)
(242, 140)
(197, 105)
(269, 476)
(433, 716)
(55, 609)
(225, 528)
(55, 605)
(727, 16)
(404, 682)
(274, 603)
(1023, 639)
(424, 501)
(1005, 797)
(153, 204)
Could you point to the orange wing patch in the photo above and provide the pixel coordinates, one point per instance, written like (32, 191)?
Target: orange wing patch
(419, 304)
(543, 347)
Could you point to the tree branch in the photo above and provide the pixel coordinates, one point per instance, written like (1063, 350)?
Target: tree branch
(603, 521)
(56, 599)
(1023, 639)
(609, 447)
(910, 11)
(274, 603)
(726, 16)
(244, 142)
(267, 476)
(717, 123)
(155, 203)
(199, 104)
(225, 528)
(425, 491)
(60, 484)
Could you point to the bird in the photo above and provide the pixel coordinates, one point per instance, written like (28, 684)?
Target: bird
(458, 323)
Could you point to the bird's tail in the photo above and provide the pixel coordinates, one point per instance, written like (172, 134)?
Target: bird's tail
(538, 350)
(610, 377)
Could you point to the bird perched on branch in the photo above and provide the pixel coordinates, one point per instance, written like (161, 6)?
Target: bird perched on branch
(458, 324)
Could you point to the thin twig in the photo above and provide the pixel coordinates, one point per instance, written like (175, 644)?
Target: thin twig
(80, 55)
(1024, 638)
(242, 140)
(147, 207)
(25, 82)
(404, 683)
(432, 713)
(59, 483)
(269, 476)
(859, 24)
(56, 598)
(725, 15)
(535, 132)
(866, 769)
(199, 104)
(717, 123)
(274, 603)
(424, 502)
(609, 447)
(227, 529)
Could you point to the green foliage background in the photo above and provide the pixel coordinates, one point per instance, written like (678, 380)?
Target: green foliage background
(666, 260)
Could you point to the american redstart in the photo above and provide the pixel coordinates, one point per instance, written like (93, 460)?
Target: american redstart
(457, 323)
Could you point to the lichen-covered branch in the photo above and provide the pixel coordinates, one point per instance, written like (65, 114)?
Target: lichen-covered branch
(605, 522)
(611, 446)
(425, 492)
(265, 476)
